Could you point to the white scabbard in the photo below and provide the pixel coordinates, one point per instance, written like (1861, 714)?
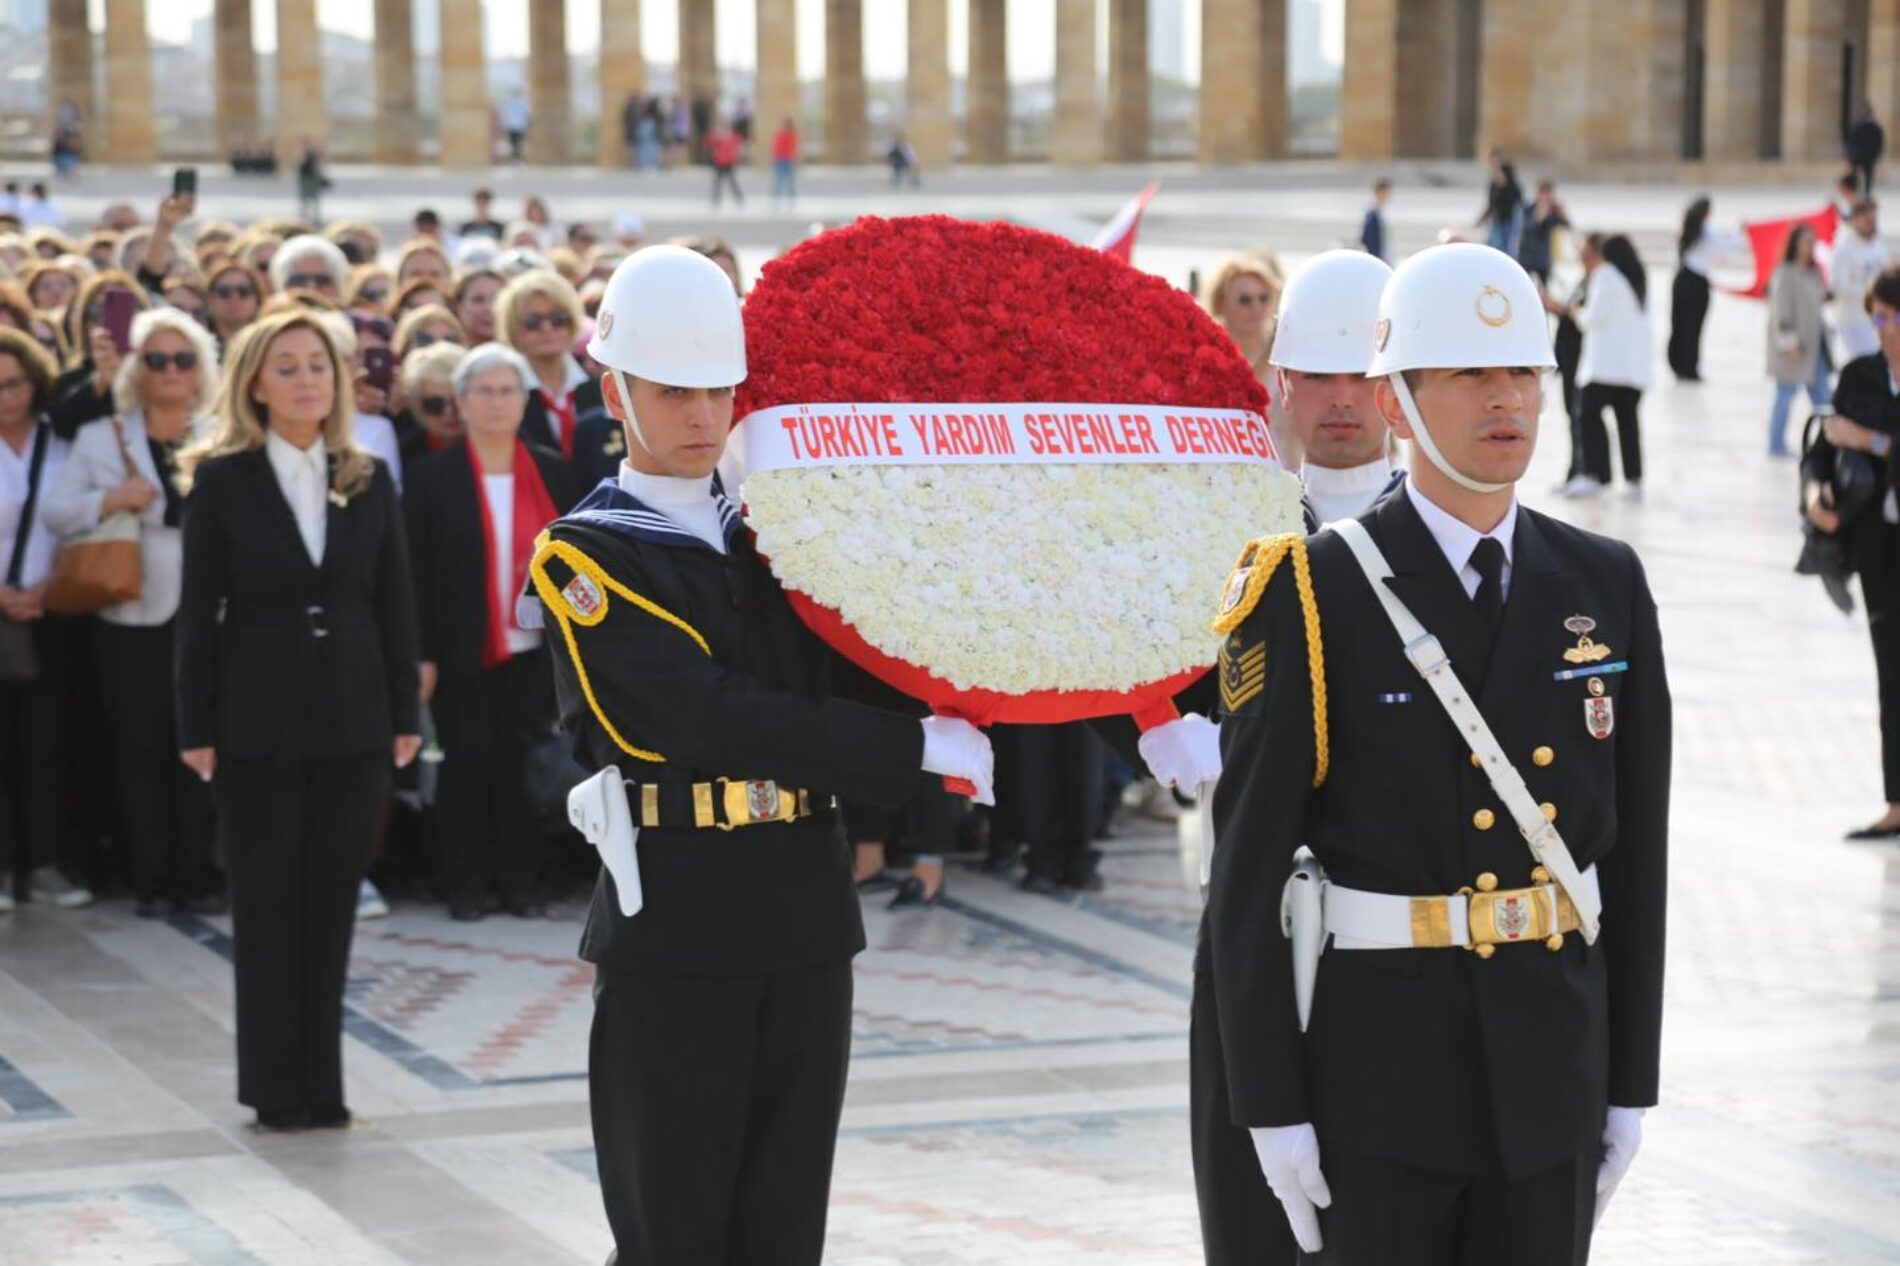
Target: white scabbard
(599, 810)
(1303, 921)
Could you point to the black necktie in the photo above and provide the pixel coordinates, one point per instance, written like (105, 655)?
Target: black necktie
(1488, 561)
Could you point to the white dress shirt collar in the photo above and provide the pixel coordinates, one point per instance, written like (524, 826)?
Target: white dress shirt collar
(1344, 493)
(289, 461)
(1457, 539)
(304, 476)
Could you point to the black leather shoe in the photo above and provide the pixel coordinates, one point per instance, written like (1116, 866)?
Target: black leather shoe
(911, 894)
(329, 1116)
(281, 1119)
(1868, 833)
(1041, 885)
(881, 880)
(466, 911)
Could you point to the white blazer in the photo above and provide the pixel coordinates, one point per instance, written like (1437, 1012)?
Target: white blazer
(71, 508)
(1617, 347)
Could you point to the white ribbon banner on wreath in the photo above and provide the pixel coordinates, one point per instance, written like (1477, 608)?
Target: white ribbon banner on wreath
(807, 436)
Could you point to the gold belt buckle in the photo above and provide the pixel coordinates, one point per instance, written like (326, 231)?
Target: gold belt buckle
(1506, 917)
(750, 803)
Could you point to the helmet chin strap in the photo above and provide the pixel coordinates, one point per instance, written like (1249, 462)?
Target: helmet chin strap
(626, 405)
(1423, 438)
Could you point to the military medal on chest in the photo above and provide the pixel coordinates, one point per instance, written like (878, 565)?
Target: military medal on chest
(1585, 651)
(1599, 711)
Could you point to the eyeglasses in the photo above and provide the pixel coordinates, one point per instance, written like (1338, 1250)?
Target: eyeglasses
(309, 281)
(223, 291)
(382, 327)
(157, 361)
(435, 406)
(1248, 301)
(376, 294)
(533, 321)
(425, 339)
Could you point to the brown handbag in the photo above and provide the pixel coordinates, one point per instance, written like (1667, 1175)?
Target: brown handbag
(101, 568)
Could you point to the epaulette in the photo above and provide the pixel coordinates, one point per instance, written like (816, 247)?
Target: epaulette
(1243, 668)
(1258, 560)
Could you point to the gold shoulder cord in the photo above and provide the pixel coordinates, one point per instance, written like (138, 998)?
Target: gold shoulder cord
(545, 548)
(1262, 558)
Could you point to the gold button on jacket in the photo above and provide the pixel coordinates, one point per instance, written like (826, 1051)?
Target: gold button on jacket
(1484, 819)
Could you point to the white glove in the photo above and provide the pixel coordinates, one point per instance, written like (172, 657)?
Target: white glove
(1622, 1138)
(956, 749)
(1289, 1157)
(1184, 752)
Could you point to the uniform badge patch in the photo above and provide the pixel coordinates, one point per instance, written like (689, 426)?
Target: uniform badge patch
(1236, 589)
(1585, 651)
(604, 324)
(1243, 673)
(1599, 716)
(582, 596)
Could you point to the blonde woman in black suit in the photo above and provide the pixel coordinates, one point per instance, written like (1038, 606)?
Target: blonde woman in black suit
(297, 685)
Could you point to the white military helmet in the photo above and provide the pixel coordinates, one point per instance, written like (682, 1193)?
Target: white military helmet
(1328, 312)
(669, 315)
(1459, 306)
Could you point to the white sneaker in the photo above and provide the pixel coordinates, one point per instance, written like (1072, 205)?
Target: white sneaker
(48, 887)
(370, 903)
(1581, 486)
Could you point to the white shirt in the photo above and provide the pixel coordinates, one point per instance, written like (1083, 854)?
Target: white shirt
(377, 433)
(1857, 261)
(36, 565)
(1457, 539)
(1344, 494)
(1617, 348)
(304, 476)
(499, 492)
(687, 502)
(1711, 246)
(40, 213)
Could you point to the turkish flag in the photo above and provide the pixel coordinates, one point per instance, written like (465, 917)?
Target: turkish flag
(1768, 239)
(1117, 237)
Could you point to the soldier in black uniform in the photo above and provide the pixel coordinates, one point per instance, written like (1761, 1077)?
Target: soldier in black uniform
(722, 1018)
(1469, 1087)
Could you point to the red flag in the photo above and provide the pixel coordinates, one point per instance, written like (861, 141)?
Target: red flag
(1768, 239)
(1117, 237)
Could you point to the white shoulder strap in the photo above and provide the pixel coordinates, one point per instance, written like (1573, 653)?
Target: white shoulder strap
(1429, 658)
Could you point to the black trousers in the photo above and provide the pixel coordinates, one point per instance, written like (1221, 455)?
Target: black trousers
(32, 773)
(1880, 589)
(1595, 458)
(1388, 1214)
(1688, 308)
(726, 178)
(925, 825)
(297, 838)
(1242, 1223)
(1061, 799)
(484, 826)
(164, 811)
(715, 1102)
(1568, 346)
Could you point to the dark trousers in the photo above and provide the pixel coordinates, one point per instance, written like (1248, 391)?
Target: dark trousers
(1388, 1214)
(926, 824)
(164, 811)
(1881, 591)
(715, 1102)
(484, 826)
(32, 779)
(1568, 346)
(1688, 308)
(1242, 1223)
(297, 838)
(1062, 799)
(1595, 457)
(1864, 177)
(727, 178)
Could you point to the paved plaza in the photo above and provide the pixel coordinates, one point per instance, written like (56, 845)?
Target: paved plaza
(1019, 1086)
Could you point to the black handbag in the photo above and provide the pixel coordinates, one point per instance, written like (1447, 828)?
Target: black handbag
(18, 662)
(1855, 485)
(550, 771)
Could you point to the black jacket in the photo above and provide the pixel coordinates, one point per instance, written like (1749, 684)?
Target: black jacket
(1863, 395)
(279, 659)
(538, 429)
(1434, 1057)
(75, 403)
(755, 702)
(447, 556)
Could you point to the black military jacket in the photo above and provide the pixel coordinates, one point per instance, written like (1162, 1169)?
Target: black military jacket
(1435, 1057)
(679, 664)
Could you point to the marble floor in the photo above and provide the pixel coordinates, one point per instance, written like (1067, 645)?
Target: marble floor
(1019, 1088)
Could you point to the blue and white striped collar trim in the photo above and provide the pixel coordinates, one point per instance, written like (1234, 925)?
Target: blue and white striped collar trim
(612, 507)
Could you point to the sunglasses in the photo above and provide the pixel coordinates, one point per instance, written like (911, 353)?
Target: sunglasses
(376, 294)
(553, 320)
(430, 340)
(309, 281)
(1248, 301)
(435, 406)
(382, 327)
(183, 361)
(223, 291)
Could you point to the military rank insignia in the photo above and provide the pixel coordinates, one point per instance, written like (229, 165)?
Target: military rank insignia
(1243, 673)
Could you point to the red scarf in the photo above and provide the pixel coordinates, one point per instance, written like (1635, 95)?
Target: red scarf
(533, 510)
(563, 410)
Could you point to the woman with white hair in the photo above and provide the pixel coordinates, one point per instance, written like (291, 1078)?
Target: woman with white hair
(429, 422)
(163, 394)
(309, 262)
(474, 512)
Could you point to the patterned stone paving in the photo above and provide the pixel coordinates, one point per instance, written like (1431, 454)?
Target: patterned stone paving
(1019, 1086)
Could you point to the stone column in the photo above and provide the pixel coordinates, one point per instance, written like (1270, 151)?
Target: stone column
(1244, 80)
(550, 133)
(398, 117)
(1811, 79)
(1128, 109)
(131, 123)
(1883, 71)
(1735, 45)
(623, 71)
(301, 118)
(1077, 137)
(467, 126)
(1508, 42)
(236, 75)
(699, 54)
(775, 89)
(845, 132)
(1403, 69)
(928, 120)
(986, 122)
(1368, 106)
(69, 72)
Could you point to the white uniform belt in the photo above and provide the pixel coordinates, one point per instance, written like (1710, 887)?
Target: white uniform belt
(1377, 920)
